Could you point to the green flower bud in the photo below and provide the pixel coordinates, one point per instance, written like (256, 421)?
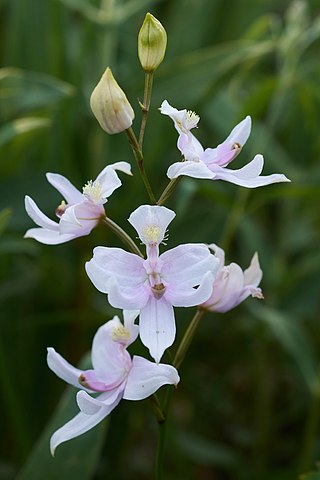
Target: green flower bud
(110, 105)
(152, 42)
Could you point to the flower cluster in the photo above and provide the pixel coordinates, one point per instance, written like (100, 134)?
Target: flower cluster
(147, 286)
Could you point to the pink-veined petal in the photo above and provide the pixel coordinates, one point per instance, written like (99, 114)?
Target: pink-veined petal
(48, 237)
(146, 377)
(186, 296)
(78, 425)
(109, 357)
(39, 217)
(70, 193)
(115, 263)
(129, 298)
(190, 169)
(157, 326)
(186, 264)
(151, 222)
(63, 369)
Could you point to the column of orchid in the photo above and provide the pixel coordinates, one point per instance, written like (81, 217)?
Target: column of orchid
(146, 286)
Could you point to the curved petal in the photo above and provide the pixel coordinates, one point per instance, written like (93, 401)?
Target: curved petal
(109, 358)
(157, 326)
(226, 290)
(129, 298)
(249, 176)
(91, 406)
(151, 222)
(190, 169)
(129, 317)
(241, 132)
(147, 377)
(190, 147)
(186, 265)
(81, 218)
(115, 263)
(219, 253)
(182, 296)
(70, 193)
(253, 274)
(63, 369)
(79, 424)
(37, 216)
(48, 237)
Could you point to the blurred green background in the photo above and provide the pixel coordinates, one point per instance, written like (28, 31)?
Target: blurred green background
(248, 404)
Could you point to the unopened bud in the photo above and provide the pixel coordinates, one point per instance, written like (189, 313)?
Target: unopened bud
(110, 105)
(152, 42)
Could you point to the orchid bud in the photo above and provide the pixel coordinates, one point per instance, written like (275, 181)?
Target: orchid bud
(110, 105)
(152, 42)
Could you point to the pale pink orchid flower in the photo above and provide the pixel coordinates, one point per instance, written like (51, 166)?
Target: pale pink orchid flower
(115, 375)
(180, 277)
(231, 285)
(211, 163)
(79, 212)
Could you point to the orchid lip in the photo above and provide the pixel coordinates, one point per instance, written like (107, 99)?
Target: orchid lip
(158, 290)
(97, 385)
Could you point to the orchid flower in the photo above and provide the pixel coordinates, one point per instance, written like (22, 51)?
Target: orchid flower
(79, 212)
(158, 283)
(211, 163)
(114, 376)
(231, 285)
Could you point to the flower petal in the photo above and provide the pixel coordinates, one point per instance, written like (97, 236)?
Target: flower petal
(70, 193)
(151, 222)
(190, 169)
(157, 326)
(249, 176)
(109, 358)
(253, 274)
(219, 253)
(146, 377)
(129, 298)
(63, 369)
(129, 317)
(186, 264)
(37, 216)
(117, 264)
(182, 296)
(80, 424)
(90, 405)
(48, 237)
(241, 132)
(190, 147)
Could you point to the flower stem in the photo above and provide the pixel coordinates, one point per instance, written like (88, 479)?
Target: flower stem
(123, 236)
(187, 338)
(162, 435)
(157, 408)
(139, 158)
(168, 190)
(146, 105)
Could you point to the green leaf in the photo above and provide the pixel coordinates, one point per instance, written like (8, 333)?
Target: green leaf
(5, 214)
(73, 460)
(12, 130)
(291, 334)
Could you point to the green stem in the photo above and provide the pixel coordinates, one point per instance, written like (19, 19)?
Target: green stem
(168, 190)
(162, 435)
(187, 338)
(139, 158)
(123, 236)
(157, 408)
(146, 105)
(311, 429)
